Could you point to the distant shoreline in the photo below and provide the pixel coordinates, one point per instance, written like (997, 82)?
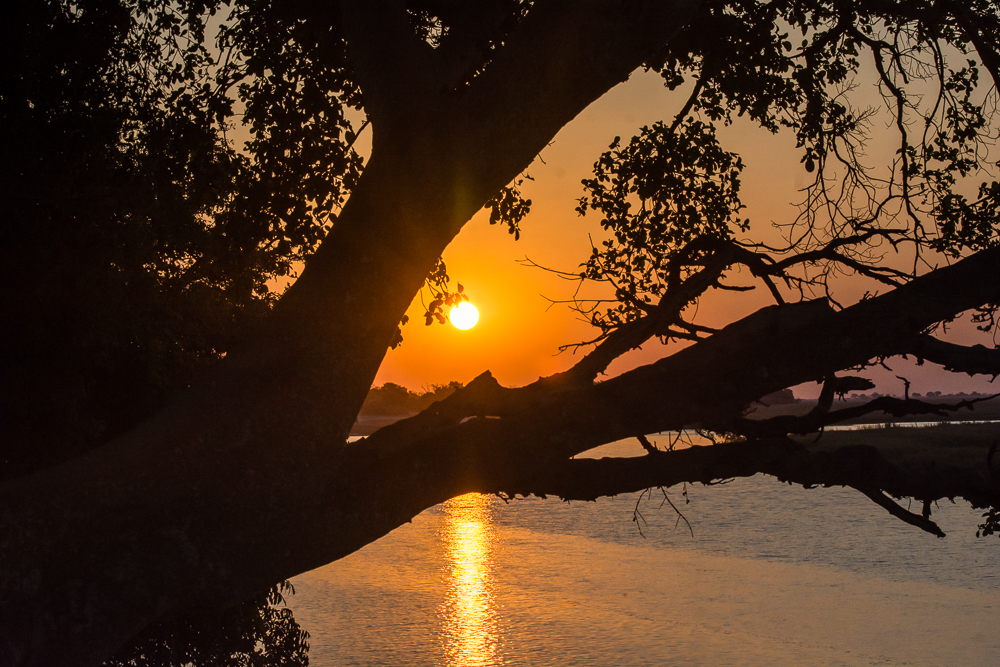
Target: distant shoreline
(987, 410)
(368, 424)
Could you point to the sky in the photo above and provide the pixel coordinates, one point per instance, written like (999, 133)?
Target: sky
(521, 330)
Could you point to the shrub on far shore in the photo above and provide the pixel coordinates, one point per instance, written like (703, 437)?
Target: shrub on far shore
(394, 399)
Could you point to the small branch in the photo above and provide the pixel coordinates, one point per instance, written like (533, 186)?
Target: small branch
(666, 313)
(906, 387)
(637, 515)
(890, 506)
(680, 515)
(647, 445)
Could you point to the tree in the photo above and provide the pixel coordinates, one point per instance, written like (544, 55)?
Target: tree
(256, 632)
(396, 400)
(202, 496)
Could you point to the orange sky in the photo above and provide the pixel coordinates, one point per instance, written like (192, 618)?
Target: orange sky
(519, 332)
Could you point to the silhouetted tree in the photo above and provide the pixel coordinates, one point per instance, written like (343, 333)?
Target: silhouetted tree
(258, 632)
(389, 399)
(396, 400)
(139, 242)
(119, 294)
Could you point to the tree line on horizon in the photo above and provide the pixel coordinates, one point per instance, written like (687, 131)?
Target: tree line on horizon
(395, 399)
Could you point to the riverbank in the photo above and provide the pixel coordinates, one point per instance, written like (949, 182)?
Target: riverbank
(944, 444)
(984, 410)
(368, 424)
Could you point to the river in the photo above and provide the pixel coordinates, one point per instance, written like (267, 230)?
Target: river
(772, 575)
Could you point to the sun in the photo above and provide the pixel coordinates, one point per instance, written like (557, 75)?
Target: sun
(464, 316)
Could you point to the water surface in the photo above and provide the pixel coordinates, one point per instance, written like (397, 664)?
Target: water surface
(773, 574)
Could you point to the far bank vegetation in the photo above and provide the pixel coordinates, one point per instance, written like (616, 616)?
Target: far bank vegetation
(396, 400)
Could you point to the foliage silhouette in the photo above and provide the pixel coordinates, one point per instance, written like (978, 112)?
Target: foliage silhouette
(257, 633)
(131, 253)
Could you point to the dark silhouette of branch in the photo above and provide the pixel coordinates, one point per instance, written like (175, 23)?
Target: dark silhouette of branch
(975, 359)
(817, 420)
(527, 449)
(859, 467)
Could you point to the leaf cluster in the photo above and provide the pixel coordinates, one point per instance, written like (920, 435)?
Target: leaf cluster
(260, 632)
(438, 285)
(794, 66)
(668, 187)
(141, 234)
(508, 208)
(442, 297)
(288, 63)
(139, 237)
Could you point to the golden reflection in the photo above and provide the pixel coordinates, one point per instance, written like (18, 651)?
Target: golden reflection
(469, 616)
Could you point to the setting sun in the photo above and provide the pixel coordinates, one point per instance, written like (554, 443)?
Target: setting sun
(464, 316)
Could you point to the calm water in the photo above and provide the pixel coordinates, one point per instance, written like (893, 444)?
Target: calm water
(773, 575)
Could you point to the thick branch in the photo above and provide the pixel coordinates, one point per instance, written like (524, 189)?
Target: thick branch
(712, 381)
(859, 467)
(706, 384)
(666, 313)
(973, 360)
(394, 68)
(552, 56)
(815, 421)
(527, 450)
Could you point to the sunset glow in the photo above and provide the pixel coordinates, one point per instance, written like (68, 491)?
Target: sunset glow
(469, 612)
(464, 316)
(529, 317)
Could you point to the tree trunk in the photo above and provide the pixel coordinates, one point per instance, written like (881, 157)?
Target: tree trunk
(245, 481)
(233, 487)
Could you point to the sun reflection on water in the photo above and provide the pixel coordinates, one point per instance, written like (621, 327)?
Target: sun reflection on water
(468, 614)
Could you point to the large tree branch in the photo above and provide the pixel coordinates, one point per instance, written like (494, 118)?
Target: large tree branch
(974, 360)
(817, 420)
(552, 53)
(551, 56)
(395, 69)
(859, 467)
(544, 424)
